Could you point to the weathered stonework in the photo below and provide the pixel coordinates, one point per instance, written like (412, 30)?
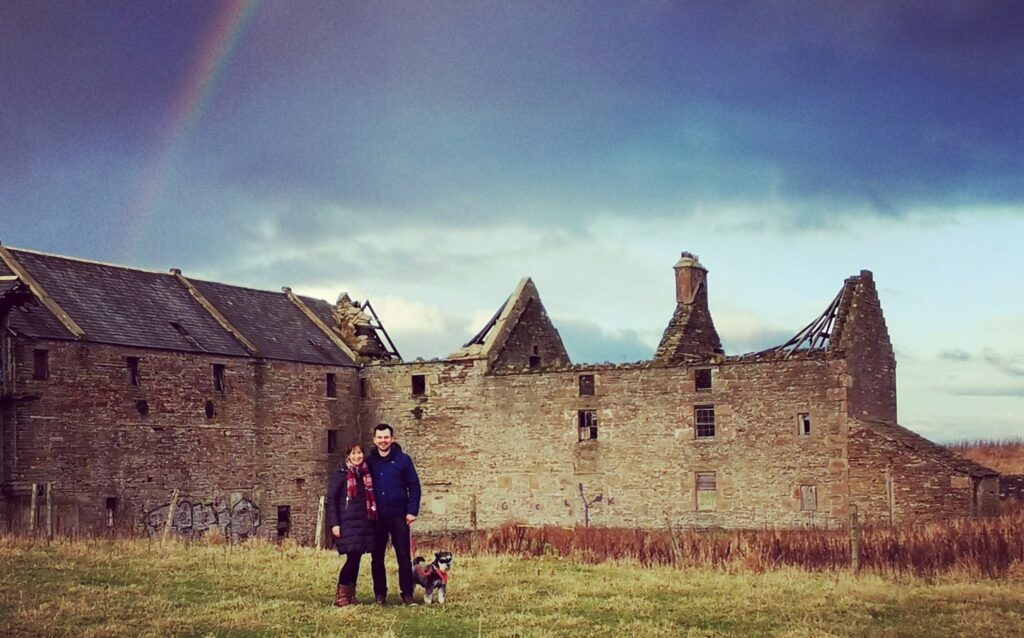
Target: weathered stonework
(503, 430)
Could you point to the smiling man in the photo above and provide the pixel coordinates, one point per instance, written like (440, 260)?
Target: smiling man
(397, 488)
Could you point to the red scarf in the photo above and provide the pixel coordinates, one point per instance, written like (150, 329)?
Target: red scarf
(354, 471)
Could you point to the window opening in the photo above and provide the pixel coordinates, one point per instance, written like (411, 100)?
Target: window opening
(809, 498)
(419, 385)
(704, 417)
(284, 521)
(362, 388)
(332, 441)
(587, 424)
(332, 385)
(142, 406)
(534, 362)
(218, 377)
(706, 491)
(702, 379)
(803, 423)
(133, 371)
(209, 409)
(586, 385)
(40, 365)
(417, 413)
(111, 510)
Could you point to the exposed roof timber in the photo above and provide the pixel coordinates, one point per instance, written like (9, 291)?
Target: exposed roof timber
(306, 310)
(379, 327)
(481, 336)
(216, 314)
(40, 293)
(815, 335)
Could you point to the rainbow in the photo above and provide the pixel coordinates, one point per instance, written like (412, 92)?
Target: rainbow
(197, 89)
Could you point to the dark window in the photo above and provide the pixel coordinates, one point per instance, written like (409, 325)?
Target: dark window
(111, 510)
(534, 361)
(218, 377)
(332, 441)
(362, 388)
(419, 385)
(706, 491)
(284, 521)
(417, 413)
(41, 365)
(702, 379)
(803, 424)
(704, 418)
(332, 385)
(133, 371)
(587, 423)
(142, 406)
(809, 498)
(586, 385)
(209, 409)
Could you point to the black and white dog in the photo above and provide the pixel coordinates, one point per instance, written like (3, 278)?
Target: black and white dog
(433, 577)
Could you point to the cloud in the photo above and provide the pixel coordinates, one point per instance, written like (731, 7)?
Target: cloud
(989, 391)
(1007, 364)
(956, 354)
(587, 342)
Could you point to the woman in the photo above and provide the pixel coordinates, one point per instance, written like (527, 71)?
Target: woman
(351, 513)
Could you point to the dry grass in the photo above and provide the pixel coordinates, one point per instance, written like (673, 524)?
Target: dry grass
(1005, 456)
(985, 548)
(140, 588)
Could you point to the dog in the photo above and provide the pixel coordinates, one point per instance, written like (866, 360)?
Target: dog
(433, 577)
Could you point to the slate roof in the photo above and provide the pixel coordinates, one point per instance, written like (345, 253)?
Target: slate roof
(277, 328)
(131, 307)
(917, 442)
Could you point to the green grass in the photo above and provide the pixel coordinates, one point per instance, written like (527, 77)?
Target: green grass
(139, 588)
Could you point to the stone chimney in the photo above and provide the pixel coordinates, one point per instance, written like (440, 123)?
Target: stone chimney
(690, 335)
(690, 274)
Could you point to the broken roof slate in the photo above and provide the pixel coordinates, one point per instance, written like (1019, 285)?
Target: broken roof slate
(277, 328)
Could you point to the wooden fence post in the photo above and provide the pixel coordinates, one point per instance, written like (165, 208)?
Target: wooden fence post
(33, 509)
(854, 539)
(49, 512)
(170, 514)
(320, 522)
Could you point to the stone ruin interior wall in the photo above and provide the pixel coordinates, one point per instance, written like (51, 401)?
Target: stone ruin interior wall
(493, 448)
(264, 445)
(868, 351)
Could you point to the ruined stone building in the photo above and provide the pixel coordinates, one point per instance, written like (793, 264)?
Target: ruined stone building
(122, 387)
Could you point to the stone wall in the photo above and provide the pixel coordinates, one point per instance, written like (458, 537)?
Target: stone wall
(533, 341)
(1011, 486)
(506, 447)
(96, 436)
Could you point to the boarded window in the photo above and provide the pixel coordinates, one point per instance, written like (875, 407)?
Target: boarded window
(419, 385)
(586, 385)
(332, 385)
(218, 377)
(587, 424)
(284, 521)
(803, 424)
(809, 498)
(704, 419)
(40, 365)
(702, 379)
(332, 441)
(132, 365)
(706, 491)
(362, 388)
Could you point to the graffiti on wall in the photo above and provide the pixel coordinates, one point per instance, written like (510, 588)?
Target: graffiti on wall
(237, 519)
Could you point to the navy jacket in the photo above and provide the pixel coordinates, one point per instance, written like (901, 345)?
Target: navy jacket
(357, 530)
(395, 482)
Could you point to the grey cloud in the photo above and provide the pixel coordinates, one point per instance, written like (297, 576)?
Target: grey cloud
(989, 391)
(586, 342)
(956, 354)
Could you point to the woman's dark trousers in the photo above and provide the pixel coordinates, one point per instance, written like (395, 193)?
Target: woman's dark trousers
(350, 570)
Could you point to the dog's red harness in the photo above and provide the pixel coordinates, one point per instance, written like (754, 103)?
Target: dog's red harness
(433, 569)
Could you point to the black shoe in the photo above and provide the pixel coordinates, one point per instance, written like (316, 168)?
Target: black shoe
(381, 599)
(408, 600)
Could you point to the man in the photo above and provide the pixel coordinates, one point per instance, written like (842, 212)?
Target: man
(397, 489)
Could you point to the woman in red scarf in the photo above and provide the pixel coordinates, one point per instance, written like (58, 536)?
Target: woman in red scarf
(351, 514)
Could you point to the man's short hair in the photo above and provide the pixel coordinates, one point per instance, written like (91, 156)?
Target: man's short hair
(384, 426)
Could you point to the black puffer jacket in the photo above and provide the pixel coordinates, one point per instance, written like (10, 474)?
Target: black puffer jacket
(357, 531)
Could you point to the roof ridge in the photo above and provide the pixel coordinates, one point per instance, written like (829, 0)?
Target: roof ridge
(94, 262)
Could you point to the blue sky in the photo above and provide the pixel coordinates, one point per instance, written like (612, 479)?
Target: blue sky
(426, 155)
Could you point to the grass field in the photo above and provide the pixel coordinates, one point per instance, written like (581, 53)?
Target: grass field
(140, 588)
(1005, 456)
